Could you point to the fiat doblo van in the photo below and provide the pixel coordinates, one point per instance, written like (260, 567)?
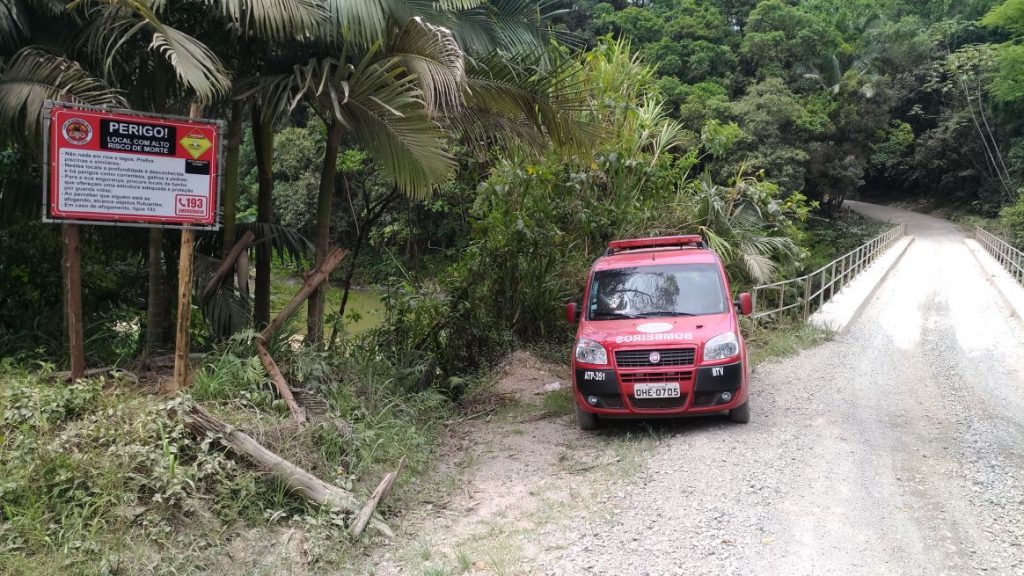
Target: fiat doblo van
(658, 334)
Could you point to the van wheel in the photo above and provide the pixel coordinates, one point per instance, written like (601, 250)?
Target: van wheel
(586, 420)
(741, 413)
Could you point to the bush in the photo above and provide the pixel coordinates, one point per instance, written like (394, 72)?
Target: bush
(1012, 218)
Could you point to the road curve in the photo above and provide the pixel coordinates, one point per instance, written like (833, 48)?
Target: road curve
(897, 448)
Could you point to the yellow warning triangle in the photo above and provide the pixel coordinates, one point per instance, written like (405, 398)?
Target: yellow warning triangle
(196, 144)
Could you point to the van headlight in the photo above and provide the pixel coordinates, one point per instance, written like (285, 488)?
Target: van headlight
(721, 347)
(590, 352)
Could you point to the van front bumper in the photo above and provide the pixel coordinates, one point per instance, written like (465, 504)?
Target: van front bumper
(701, 389)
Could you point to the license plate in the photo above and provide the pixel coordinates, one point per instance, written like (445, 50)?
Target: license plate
(660, 390)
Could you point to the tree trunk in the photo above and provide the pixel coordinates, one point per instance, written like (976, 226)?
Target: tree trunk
(347, 281)
(171, 244)
(325, 198)
(155, 299)
(233, 143)
(263, 138)
(157, 306)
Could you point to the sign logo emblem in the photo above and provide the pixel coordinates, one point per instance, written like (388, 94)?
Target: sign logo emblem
(654, 357)
(195, 143)
(77, 131)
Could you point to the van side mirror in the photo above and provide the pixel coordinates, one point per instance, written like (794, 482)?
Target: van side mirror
(572, 314)
(744, 304)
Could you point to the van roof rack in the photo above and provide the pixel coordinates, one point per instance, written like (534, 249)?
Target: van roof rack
(686, 241)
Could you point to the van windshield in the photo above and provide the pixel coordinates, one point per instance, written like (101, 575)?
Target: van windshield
(652, 291)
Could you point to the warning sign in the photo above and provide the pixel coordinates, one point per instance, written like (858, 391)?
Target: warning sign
(131, 168)
(196, 144)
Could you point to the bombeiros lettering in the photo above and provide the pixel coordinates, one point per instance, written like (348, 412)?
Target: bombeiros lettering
(631, 338)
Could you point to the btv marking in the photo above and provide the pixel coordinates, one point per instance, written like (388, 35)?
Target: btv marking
(195, 143)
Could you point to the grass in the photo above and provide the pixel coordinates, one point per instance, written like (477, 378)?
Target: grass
(781, 340)
(98, 477)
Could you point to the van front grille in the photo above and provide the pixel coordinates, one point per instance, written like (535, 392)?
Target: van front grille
(667, 357)
(655, 377)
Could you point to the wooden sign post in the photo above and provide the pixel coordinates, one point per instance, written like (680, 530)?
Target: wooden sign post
(127, 168)
(71, 268)
(181, 340)
(71, 272)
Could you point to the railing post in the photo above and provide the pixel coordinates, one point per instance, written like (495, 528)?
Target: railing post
(807, 297)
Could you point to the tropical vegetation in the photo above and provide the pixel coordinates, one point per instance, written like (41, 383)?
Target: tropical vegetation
(473, 157)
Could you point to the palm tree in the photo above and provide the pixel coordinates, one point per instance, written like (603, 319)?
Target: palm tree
(398, 84)
(736, 220)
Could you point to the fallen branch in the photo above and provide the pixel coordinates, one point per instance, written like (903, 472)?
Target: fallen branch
(486, 412)
(112, 370)
(595, 465)
(168, 360)
(228, 264)
(298, 414)
(379, 494)
(300, 482)
(315, 279)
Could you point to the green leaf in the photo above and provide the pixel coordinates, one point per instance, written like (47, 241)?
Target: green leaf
(33, 76)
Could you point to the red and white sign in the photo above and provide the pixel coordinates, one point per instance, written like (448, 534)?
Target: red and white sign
(132, 168)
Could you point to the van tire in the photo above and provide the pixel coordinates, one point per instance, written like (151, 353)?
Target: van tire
(741, 413)
(586, 420)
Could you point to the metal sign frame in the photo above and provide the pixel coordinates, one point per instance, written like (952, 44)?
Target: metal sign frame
(50, 160)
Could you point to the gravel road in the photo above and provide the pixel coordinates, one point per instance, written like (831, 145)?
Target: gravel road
(897, 448)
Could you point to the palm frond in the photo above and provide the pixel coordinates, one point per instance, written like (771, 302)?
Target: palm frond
(434, 56)
(195, 65)
(360, 22)
(285, 242)
(386, 114)
(112, 23)
(13, 23)
(481, 129)
(225, 310)
(33, 76)
(761, 268)
(549, 96)
(274, 19)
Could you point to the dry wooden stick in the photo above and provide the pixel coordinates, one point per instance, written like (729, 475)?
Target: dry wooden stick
(379, 494)
(298, 413)
(299, 481)
(228, 263)
(112, 370)
(316, 278)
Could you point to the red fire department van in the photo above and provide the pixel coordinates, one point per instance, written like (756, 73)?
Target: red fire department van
(658, 334)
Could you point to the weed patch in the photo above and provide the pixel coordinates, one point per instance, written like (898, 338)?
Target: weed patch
(782, 340)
